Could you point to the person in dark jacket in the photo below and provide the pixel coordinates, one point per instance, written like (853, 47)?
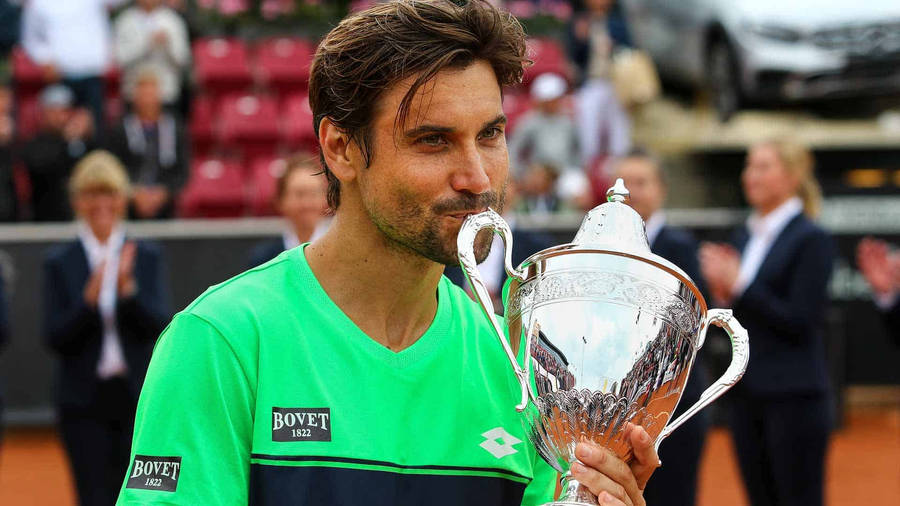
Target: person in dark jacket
(151, 144)
(106, 301)
(4, 337)
(300, 198)
(879, 263)
(65, 136)
(675, 483)
(775, 276)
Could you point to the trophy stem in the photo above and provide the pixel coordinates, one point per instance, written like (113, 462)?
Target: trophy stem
(573, 493)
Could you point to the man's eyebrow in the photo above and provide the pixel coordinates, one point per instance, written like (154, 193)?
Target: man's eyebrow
(437, 129)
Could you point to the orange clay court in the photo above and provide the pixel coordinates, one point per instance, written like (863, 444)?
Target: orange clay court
(863, 466)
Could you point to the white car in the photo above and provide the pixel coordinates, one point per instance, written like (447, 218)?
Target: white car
(764, 50)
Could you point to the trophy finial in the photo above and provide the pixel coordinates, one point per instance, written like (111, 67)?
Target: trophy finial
(618, 192)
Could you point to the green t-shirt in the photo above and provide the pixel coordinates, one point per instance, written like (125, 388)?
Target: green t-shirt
(264, 392)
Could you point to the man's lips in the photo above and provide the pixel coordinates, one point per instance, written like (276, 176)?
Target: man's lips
(461, 215)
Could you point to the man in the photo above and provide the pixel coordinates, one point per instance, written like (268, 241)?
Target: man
(152, 145)
(151, 34)
(349, 371)
(65, 136)
(300, 198)
(70, 41)
(676, 483)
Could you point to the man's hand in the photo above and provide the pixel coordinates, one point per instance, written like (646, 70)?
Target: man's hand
(609, 478)
(878, 265)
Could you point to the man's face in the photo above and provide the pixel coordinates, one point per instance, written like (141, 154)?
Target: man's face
(303, 202)
(146, 97)
(448, 161)
(55, 117)
(642, 179)
(100, 208)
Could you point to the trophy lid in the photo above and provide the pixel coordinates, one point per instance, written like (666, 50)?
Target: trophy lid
(614, 225)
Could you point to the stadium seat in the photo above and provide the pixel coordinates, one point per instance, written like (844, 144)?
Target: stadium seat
(250, 123)
(215, 189)
(515, 104)
(221, 65)
(298, 123)
(282, 64)
(202, 125)
(28, 116)
(264, 176)
(548, 56)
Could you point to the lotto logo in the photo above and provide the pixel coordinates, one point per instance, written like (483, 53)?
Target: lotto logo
(499, 443)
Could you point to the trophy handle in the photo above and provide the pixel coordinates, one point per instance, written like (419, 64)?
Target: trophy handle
(740, 354)
(465, 243)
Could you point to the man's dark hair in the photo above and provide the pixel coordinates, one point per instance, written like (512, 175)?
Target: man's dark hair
(371, 50)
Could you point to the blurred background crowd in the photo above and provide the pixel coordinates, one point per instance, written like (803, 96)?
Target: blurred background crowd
(770, 131)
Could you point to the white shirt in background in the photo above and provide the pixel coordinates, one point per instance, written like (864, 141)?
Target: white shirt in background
(763, 232)
(654, 225)
(112, 359)
(73, 35)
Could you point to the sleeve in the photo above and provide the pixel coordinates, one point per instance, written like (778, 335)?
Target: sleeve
(34, 38)
(131, 44)
(69, 323)
(542, 488)
(802, 307)
(179, 49)
(148, 310)
(194, 423)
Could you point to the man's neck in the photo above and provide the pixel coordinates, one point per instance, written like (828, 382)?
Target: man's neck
(390, 293)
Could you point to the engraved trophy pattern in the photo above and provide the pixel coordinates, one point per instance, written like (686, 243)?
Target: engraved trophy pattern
(610, 332)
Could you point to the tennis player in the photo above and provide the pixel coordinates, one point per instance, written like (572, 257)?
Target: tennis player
(349, 371)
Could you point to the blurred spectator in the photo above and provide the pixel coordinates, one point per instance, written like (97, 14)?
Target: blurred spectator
(70, 41)
(10, 23)
(300, 198)
(151, 144)
(775, 277)
(8, 197)
(4, 336)
(546, 135)
(493, 271)
(602, 122)
(675, 483)
(105, 303)
(879, 263)
(151, 35)
(537, 188)
(66, 134)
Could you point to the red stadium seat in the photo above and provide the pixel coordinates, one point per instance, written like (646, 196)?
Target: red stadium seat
(298, 123)
(515, 104)
(27, 75)
(250, 123)
(28, 116)
(221, 65)
(548, 56)
(283, 63)
(113, 78)
(202, 126)
(264, 177)
(215, 189)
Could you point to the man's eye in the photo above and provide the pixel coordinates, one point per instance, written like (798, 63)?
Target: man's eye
(492, 133)
(431, 140)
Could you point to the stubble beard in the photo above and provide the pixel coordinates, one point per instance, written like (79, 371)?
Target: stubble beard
(417, 230)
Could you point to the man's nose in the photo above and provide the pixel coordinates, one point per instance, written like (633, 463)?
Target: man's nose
(471, 174)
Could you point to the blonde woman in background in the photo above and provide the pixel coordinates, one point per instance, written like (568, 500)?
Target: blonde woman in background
(105, 303)
(775, 276)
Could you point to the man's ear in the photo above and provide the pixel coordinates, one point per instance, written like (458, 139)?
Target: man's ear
(341, 154)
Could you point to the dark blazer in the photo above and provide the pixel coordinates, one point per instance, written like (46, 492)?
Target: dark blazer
(892, 321)
(679, 247)
(265, 251)
(783, 310)
(524, 245)
(74, 331)
(172, 173)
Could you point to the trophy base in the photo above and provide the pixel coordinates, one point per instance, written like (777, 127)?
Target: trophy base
(573, 493)
(570, 503)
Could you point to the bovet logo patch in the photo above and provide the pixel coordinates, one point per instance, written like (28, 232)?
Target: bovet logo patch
(154, 473)
(301, 424)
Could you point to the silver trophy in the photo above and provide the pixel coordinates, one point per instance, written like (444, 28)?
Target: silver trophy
(610, 331)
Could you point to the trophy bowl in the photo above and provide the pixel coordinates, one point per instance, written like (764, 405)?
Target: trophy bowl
(609, 330)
